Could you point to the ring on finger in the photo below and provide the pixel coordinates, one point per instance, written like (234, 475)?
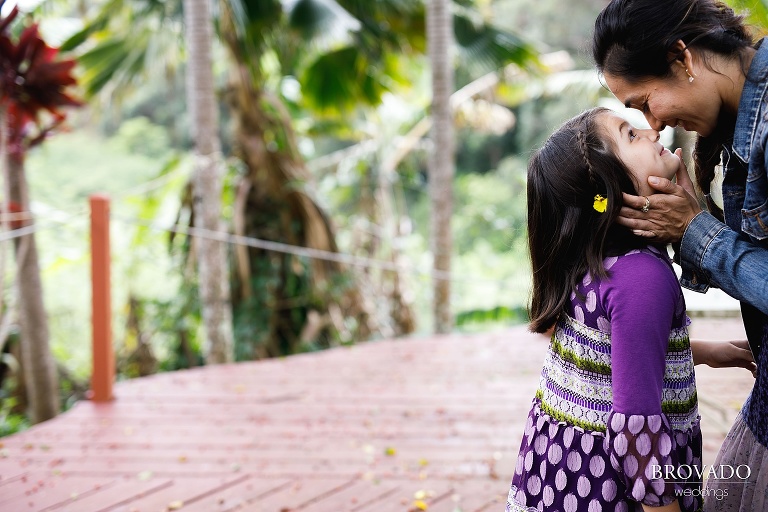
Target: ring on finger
(646, 206)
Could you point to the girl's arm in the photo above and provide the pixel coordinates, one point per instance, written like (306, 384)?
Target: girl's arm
(642, 299)
(724, 354)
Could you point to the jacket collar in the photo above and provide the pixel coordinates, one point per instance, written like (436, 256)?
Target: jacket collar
(749, 104)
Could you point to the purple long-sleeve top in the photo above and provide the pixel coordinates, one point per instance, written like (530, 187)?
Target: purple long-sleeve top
(617, 397)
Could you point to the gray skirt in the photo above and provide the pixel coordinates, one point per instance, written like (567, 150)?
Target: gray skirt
(740, 481)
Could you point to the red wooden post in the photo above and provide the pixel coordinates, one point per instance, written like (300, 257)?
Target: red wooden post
(103, 375)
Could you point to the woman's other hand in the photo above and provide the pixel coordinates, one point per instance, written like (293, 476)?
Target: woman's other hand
(724, 354)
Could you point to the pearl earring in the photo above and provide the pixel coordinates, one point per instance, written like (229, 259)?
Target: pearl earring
(690, 78)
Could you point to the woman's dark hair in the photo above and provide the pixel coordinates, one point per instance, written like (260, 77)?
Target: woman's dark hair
(567, 237)
(635, 40)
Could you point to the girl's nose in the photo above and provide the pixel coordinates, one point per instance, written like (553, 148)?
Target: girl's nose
(650, 134)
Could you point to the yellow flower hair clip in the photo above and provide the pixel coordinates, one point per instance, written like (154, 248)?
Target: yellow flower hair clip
(600, 204)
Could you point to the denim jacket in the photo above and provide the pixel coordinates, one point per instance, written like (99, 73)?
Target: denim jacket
(734, 256)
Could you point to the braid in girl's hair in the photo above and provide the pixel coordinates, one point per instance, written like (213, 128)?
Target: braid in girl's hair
(581, 135)
(582, 138)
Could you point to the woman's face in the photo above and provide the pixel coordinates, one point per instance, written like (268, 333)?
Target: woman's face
(639, 150)
(673, 101)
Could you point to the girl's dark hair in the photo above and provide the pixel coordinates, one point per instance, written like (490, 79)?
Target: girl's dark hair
(634, 40)
(567, 237)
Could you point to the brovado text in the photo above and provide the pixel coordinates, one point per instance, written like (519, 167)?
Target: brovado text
(686, 472)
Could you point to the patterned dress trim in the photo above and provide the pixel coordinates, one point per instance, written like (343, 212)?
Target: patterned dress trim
(513, 505)
(575, 383)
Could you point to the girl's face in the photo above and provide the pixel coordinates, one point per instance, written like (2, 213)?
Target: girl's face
(639, 150)
(673, 101)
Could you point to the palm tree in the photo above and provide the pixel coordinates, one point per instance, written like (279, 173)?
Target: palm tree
(441, 158)
(211, 255)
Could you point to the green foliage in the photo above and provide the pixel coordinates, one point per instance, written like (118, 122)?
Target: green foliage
(251, 315)
(10, 422)
(62, 174)
(484, 48)
(496, 315)
(341, 79)
(312, 18)
(170, 324)
(73, 165)
(551, 25)
(756, 10)
(490, 207)
(139, 136)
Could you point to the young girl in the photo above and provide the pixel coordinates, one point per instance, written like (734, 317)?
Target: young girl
(616, 409)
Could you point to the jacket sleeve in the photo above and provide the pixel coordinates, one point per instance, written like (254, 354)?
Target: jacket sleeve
(710, 252)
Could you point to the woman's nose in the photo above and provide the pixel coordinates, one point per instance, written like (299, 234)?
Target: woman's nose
(654, 123)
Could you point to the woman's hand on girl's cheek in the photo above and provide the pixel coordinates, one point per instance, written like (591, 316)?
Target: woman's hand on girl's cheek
(669, 213)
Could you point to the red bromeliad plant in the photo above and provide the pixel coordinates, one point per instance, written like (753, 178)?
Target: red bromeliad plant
(32, 82)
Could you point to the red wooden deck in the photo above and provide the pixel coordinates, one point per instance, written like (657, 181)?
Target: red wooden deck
(418, 424)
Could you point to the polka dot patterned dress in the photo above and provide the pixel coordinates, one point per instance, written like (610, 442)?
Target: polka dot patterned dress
(616, 409)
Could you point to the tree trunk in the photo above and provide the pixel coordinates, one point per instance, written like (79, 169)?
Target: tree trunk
(441, 158)
(40, 376)
(213, 275)
(277, 205)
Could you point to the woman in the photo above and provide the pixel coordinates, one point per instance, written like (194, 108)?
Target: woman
(693, 63)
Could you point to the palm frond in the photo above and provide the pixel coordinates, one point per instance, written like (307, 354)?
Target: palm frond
(104, 64)
(315, 18)
(484, 47)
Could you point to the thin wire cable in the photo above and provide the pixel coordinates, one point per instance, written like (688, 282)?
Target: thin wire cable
(337, 257)
(58, 216)
(18, 233)
(153, 184)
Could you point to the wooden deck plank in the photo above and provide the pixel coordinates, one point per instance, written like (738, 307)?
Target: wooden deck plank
(239, 496)
(50, 489)
(371, 428)
(77, 493)
(181, 493)
(122, 492)
(298, 494)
